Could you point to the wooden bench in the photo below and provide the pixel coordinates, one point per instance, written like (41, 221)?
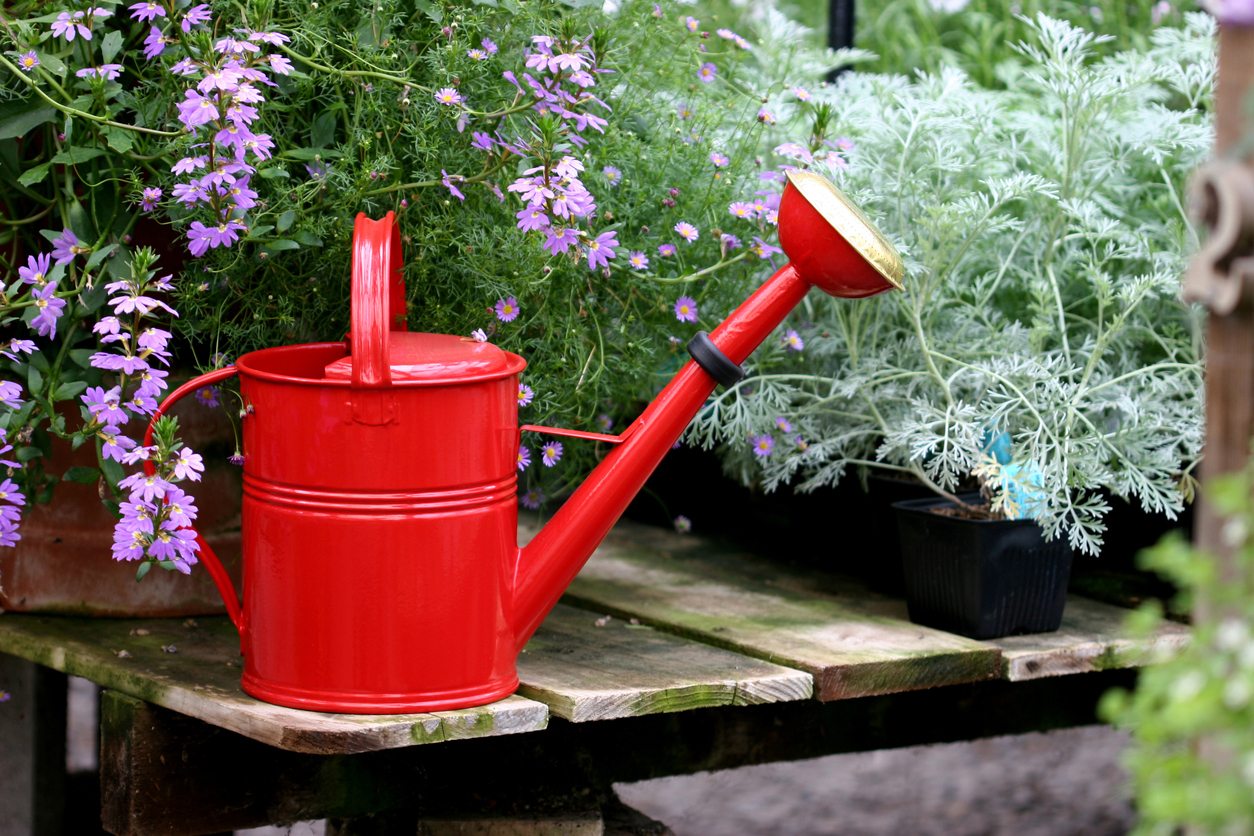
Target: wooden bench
(668, 655)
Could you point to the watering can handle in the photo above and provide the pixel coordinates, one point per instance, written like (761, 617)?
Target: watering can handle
(378, 301)
(216, 570)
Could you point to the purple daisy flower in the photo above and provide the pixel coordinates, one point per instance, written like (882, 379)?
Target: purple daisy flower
(506, 309)
(208, 396)
(793, 342)
(686, 309)
(524, 458)
(665, 250)
(28, 60)
(551, 453)
(638, 260)
(532, 499)
(719, 160)
(763, 445)
(741, 209)
(448, 96)
(707, 73)
(783, 424)
(525, 394)
(612, 174)
(763, 249)
(686, 231)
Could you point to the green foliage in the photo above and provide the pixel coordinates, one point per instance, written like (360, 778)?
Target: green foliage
(1043, 234)
(1192, 714)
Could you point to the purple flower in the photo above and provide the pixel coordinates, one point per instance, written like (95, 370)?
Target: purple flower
(189, 164)
(719, 160)
(180, 508)
(48, 310)
(532, 218)
(560, 241)
(68, 26)
(802, 94)
(686, 231)
(601, 249)
(447, 180)
(763, 445)
(707, 72)
(740, 209)
(551, 453)
(124, 363)
(612, 174)
(272, 38)
(763, 249)
(65, 247)
(196, 109)
(506, 309)
(479, 335)
(28, 60)
(10, 396)
(242, 196)
(143, 487)
(525, 395)
(793, 342)
(17, 347)
(105, 406)
(666, 250)
(207, 396)
(114, 445)
(482, 141)
(524, 458)
(146, 11)
(728, 242)
(36, 270)
(765, 116)
(225, 78)
(448, 96)
(202, 238)
(532, 499)
(686, 309)
(281, 65)
(195, 16)
(477, 54)
(148, 199)
(783, 424)
(638, 260)
(189, 465)
(488, 46)
(682, 524)
(691, 23)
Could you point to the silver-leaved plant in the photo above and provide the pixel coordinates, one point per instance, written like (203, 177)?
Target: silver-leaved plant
(1040, 344)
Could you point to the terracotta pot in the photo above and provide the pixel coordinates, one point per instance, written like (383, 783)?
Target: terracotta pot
(63, 563)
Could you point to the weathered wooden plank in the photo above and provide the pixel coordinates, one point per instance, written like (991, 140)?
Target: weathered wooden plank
(589, 668)
(854, 642)
(193, 667)
(32, 748)
(1092, 638)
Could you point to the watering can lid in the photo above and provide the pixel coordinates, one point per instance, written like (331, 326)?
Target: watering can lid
(443, 358)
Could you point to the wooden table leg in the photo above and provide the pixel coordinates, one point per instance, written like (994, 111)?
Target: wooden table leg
(32, 757)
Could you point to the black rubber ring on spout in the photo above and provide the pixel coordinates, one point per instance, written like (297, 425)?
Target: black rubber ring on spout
(716, 364)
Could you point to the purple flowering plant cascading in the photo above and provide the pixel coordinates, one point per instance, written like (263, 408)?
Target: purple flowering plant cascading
(120, 113)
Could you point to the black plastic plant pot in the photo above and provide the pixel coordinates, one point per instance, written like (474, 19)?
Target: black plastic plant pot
(980, 578)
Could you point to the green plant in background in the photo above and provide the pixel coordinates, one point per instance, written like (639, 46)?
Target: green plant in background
(1040, 340)
(1192, 714)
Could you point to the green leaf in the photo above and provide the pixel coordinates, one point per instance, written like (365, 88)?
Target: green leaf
(430, 10)
(52, 64)
(17, 118)
(97, 257)
(118, 139)
(81, 475)
(310, 154)
(73, 156)
(111, 45)
(143, 569)
(285, 221)
(34, 380)
(69, 389)
(27, 454)
(34, 175)
(308, 239)
(81, 357)
(322, 134)
(273, 172)
(279, 245)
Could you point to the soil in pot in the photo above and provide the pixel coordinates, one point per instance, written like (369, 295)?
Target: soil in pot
(980, 578)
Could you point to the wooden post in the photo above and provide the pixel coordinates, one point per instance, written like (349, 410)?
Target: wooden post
(32, 748)
(1230, 327)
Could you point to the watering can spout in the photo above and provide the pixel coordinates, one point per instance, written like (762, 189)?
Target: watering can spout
(830, 245)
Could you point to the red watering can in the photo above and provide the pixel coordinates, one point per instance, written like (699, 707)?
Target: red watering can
(382, 572)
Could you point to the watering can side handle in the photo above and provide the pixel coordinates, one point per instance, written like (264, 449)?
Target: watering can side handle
(217, 571)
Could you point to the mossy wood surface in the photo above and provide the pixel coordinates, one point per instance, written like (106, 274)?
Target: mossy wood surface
(586, 667)
(855, 643)
(193, 667)
(1092, 638)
